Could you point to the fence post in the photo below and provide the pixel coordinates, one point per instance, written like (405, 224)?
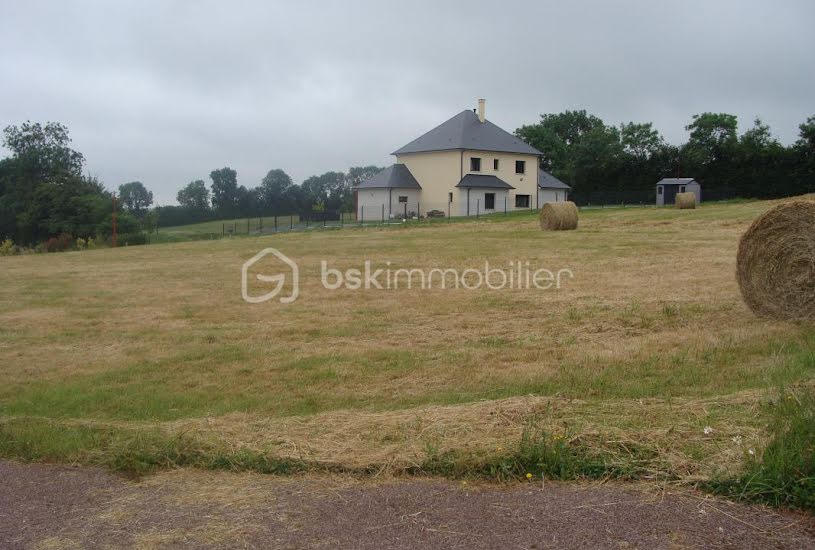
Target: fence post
(418, 209)
(275, 223)
(362, 215)
(405, 210)
(383, 213)
(223, 230)
(477, 207)
(505, 205)
(291, 222)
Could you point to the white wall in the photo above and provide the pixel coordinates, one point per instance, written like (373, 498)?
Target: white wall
(551, 195)
(477, 202)
(370, 203)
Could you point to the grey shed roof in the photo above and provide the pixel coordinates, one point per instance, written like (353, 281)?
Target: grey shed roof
(465, 131)
(676, 181)
(548, 181)
(483, 182)
(396, 175)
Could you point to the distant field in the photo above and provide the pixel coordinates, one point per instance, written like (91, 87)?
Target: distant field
(238, 226)
(115, 356)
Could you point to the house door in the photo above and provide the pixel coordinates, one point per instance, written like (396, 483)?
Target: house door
(489, 201)
(670, 195)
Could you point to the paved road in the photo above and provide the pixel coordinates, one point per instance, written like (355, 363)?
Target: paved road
(43, 506)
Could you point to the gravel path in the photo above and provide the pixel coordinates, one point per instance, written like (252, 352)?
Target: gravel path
(44, 506)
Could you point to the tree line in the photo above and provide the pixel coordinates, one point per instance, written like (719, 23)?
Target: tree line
(44, 193)
(603, 160)
(277, 194)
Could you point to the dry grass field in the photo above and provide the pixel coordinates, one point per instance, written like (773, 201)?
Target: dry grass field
(148, 356)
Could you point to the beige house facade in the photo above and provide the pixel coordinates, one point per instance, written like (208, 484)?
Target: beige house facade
(467, 166)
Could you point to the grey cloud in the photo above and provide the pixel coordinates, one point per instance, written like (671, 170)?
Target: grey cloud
(164, 92)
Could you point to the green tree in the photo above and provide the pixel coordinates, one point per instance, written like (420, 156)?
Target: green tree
(713, 137)
(274, 192)
(248, 202)
(194, 196)
(42, 190)
(806, 134)
(135, 198)
(224, 191)
(803, 154)
(44, 148)
(640, 141)
(329, 189)
(578, 148)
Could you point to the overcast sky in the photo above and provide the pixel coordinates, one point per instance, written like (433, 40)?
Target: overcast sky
(164, 92)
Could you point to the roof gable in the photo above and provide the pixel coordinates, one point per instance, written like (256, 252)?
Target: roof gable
(676, 181)
(394, 176)
(483, 181)
(465, 131)
(548, 181)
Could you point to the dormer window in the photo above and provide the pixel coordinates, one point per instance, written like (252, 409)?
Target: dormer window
(475, 164)
(520, 166)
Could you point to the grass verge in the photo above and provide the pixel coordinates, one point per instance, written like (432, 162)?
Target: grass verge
(783, 473)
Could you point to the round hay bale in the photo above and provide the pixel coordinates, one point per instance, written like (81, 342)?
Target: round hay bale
(685, 201)
(558, 216)
(776, 262)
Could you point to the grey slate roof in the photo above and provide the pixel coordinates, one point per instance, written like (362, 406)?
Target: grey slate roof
(676, 181)
(465, 131)
(483, 182)
(548, 181)
(396, 175)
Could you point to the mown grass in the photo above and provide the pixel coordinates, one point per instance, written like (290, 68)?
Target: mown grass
(98, 344)
(131, 452)
(541, 455)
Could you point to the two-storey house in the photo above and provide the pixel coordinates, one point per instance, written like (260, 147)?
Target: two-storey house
(466, 166)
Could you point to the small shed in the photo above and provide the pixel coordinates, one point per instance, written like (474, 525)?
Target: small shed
(669, 187)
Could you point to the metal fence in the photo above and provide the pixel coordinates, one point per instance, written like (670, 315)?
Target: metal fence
(402, 212)
(643, 198)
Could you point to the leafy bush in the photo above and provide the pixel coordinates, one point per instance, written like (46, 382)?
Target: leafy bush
(784, 473)
(81, 243)
(7, 248)
(59, 244)
(131, 239)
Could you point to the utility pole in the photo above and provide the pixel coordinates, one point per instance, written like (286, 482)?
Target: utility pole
(113, 238)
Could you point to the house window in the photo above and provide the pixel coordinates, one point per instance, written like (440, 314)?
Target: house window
(521, 201)
(495, 164)
(475, 164)
(402, 198)
(681, 188)
(520, 166)
(489, 201)
(450, 197)
(659, 190)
